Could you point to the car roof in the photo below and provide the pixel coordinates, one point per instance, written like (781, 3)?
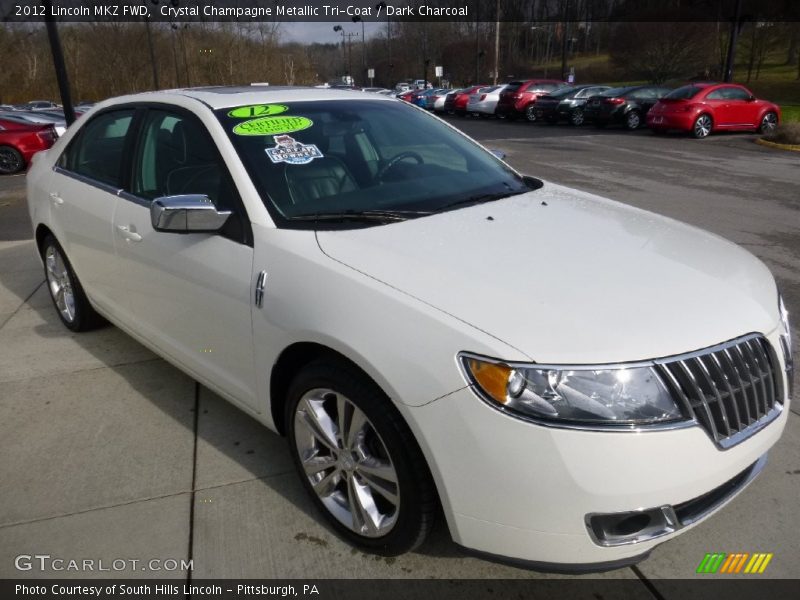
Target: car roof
(218, 97)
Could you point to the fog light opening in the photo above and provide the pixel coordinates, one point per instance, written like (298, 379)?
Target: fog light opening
(618, 529)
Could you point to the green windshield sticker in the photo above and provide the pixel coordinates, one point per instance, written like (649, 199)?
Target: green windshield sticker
(272, 125)
(259, 110)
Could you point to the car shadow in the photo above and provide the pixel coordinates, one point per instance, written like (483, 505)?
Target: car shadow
(226, 431)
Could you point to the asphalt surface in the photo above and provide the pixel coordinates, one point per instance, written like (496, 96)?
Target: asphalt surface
(107, 451)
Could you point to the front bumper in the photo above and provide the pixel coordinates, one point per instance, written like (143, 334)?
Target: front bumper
(527, 492)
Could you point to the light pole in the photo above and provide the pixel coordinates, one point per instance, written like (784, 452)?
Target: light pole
(340, 29)
(382, 6)
(363, 49)
(497, 43)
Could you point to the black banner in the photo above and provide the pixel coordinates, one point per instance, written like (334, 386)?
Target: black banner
(398, 10)
(742, 588)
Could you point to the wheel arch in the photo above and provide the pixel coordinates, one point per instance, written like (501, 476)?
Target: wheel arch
(42, 231)
(289, 362)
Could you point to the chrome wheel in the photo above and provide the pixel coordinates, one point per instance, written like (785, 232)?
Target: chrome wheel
(769, 122)
(60, 283)
(702, 126)
(346, 463)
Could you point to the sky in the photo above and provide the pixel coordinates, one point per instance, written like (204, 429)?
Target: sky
(324, 33)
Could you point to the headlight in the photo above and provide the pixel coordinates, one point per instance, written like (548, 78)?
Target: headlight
(590, 396)
(786, 343)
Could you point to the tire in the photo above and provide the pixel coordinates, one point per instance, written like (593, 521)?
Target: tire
(701, 127)
(382, 443)
(530, 113)
(11, 160)
(768, 122)
(68, 297)
(633, 120)
(576, 117)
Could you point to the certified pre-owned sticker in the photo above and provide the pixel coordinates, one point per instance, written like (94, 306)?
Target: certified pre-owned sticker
(258, 110)
(289, 150)
(272, 125)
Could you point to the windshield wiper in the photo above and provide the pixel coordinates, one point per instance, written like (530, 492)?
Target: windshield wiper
(361, 215)
(479, 199)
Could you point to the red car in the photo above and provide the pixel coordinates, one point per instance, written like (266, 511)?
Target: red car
(407, 96)
(19, 142)
(459, 101)
(701, 108)
(519, 97)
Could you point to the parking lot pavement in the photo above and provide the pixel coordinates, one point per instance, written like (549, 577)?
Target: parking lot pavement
(106, 451)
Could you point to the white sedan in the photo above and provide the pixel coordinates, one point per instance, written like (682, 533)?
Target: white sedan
(570, 379)
(484, 102)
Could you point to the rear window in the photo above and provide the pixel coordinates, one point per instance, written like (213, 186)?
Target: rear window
(613, 92)
(514, 86)
(564, 91)
(684, 93)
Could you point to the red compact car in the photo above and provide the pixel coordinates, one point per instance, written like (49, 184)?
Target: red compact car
(519, 97)
(459, 105)
(407, 96)
(701, 108)
(19, 142)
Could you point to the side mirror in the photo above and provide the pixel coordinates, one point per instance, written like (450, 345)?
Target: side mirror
(186, 213)
(751, 99)
(498, 153)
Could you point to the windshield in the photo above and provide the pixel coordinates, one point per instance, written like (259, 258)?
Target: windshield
(354, 156)
(683, 93)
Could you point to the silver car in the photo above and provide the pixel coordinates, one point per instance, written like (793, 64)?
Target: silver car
(484, 101)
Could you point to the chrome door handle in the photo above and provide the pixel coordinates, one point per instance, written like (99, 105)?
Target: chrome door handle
(130, 236)
(56, 198)
(260, 284)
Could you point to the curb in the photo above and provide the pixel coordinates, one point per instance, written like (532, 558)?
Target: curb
(789, 147)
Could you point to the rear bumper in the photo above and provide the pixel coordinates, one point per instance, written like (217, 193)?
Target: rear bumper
(682, 121)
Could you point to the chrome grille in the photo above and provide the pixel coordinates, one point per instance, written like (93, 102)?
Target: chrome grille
(731, 390)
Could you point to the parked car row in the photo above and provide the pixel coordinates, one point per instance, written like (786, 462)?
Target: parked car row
(697, 108)
(25, 129)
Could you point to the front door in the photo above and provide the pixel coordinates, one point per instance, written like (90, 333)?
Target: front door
(189, 293)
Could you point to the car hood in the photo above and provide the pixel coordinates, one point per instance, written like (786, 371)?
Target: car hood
(568, 277)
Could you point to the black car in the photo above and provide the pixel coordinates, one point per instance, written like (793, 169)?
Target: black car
(567, 103)
(450, 100)
(627, 105)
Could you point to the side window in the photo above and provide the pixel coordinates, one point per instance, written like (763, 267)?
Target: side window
(718, 94)
(96, 152)
(737, 94)
(176, 155)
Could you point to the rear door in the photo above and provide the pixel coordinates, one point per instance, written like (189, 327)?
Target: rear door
(83, 193)
(188, 293)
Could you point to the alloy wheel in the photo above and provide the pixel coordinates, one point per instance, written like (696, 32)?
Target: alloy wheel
(577, 117)
(769, 122)
(59, 283)
(530, 113)
(633, 120)
(702, 126)
(10, 161)
(346, 463)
